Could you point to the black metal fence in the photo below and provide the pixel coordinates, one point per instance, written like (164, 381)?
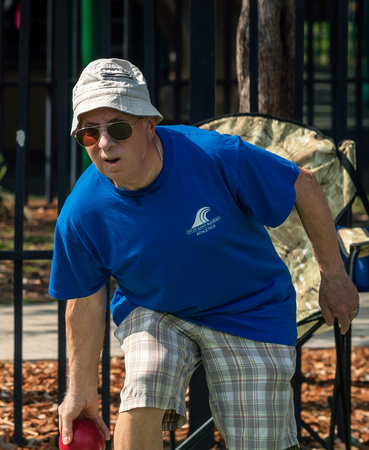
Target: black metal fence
(186, 49)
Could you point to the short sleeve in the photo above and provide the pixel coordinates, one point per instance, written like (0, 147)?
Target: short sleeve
(266, 184)
(75, 273)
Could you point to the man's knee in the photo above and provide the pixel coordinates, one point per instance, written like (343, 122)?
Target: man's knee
(139, 428)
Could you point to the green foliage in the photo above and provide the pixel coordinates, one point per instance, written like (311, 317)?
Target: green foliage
(321, 43)
(358, 207)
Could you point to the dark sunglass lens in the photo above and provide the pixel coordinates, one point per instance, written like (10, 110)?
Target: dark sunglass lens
(88, 136)
(120, 131)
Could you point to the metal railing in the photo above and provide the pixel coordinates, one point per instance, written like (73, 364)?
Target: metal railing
(191, 76)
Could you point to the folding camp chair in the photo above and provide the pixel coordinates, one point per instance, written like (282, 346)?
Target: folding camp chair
(309, 149)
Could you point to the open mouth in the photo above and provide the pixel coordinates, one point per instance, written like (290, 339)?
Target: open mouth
(112, 161)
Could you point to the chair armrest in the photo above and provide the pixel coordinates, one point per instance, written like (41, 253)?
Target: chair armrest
(354, 240)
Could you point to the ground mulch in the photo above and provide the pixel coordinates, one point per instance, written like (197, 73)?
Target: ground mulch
(40, 400)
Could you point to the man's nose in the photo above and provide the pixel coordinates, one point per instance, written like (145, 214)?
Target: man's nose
(104, 139)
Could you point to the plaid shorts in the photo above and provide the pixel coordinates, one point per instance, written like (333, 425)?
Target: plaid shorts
(249, 381)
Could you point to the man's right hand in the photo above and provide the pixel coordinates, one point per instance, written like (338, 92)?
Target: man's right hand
(74, 407)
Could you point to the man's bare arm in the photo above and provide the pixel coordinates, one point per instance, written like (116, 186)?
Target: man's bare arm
(338, 296)
(85, 328)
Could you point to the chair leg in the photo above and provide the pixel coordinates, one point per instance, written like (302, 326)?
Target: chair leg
(346, 398)
(341, 406)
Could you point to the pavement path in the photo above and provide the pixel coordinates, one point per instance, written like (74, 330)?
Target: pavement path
(40, 332)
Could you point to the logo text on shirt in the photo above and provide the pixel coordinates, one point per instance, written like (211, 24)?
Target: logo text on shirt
(202, 224)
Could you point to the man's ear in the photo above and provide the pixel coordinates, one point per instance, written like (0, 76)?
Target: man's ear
(152, 122)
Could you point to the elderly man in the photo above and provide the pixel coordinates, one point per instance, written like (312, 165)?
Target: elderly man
(177, 216)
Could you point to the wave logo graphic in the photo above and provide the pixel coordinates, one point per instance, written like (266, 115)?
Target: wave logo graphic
(202, 224)
(201, 217)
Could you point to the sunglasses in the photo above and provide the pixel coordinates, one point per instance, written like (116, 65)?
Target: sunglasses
(119, 131)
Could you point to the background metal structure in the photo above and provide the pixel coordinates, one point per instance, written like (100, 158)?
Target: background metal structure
(187, 52)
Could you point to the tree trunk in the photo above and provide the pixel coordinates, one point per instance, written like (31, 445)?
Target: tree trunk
(276, 54)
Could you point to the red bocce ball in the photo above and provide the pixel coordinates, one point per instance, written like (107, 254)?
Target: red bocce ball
(86, 436)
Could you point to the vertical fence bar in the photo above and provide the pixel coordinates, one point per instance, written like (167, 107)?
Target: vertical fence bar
(63, 94)
(22, 124)
(21, 153)
(339, 55)
(126, 29)
(299, 60)
(347, 358)
(63, 148)
(360, 23)
(202, 60)
(340, 133)
(74, 9)
(228, 56)
(18, 351)
(178, 62)
(310, 69)
(105, 20)
(254, 59)
(73, 69)
(333, 60)
(49, 102)
(342, 56)
(149, 52)
(202, 106)
(105, 49)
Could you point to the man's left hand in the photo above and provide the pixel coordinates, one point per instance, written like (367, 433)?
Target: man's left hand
(338, 298)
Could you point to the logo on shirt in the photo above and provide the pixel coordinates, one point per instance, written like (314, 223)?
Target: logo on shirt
(202, 223)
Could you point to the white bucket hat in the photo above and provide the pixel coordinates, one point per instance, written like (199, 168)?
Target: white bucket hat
(112, 83)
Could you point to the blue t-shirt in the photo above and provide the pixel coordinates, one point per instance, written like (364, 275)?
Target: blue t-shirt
(193, 243)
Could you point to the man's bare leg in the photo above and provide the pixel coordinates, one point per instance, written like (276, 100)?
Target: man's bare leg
(139, 429)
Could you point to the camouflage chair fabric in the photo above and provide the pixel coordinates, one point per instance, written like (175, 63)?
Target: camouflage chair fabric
(352, 238)
(308, 148)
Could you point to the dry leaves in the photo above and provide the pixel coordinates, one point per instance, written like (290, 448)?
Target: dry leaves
(40, 400)
(319, 371)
